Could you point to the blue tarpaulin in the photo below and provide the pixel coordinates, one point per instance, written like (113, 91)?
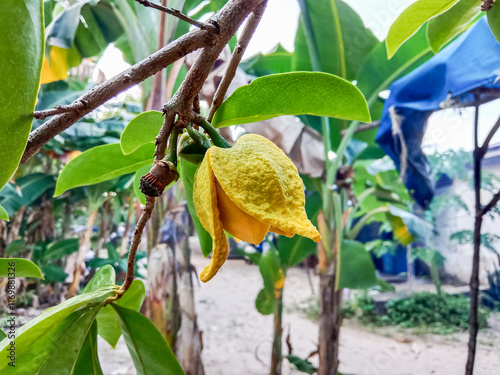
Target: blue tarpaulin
(471, 61)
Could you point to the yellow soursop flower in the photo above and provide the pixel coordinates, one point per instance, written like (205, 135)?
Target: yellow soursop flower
(248, 190)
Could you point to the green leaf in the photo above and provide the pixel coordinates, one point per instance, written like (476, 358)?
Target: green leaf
(58, 349)
(265, 302)
(493, 16)
(17, 267)
(25, 191)
(279, 61)
(452, 23)
(88, 359)
(141, 130)
(271, 271)
(297, 93)
(187, 174)
(53, 272)
(100, 164)
(3, 214)
(412, 18)
(378, 73)
(303, 365)
(357, 270)
(137, 182)
(140, 333)
(2, 335)
(105, 276)
(22, 42)
(51, 341)
(107, 319)
(59, 249)
(336, 25)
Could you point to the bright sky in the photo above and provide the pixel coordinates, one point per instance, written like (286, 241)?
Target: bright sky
(446, 129)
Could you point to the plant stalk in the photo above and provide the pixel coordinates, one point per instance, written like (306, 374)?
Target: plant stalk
(277, 355)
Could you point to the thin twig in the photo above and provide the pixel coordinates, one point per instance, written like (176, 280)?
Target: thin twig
(57, 110)
(494, 129)
(239, 50)
(176, 13)
(493, 203)
(136, 240)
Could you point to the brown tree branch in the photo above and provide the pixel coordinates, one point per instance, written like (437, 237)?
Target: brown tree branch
(136, 240)
(489, 137)
(227, 21)
(57, 110)
(248, 31)
(494, 201)
(176, 13)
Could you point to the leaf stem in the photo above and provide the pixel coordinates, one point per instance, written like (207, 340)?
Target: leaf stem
(217, 139)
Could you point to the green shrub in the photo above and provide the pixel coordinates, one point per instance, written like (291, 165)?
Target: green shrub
(434, 310)
(439, 313)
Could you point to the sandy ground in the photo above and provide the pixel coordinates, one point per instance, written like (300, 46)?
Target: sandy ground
(237, 339)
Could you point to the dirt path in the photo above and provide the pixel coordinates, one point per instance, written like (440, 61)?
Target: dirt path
(237, 339)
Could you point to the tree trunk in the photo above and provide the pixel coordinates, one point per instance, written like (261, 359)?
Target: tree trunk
(164, 310)
(330, 321)
(189, 344)
(15, 226)
(75, 260)
(474, 279)
(277, 355)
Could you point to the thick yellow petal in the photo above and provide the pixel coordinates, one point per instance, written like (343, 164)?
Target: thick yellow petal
(280, 232)
(264, 183)
(236, 222)
(205, 203)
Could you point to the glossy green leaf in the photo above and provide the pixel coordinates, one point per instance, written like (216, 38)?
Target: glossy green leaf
(297, 93)
(88, 359)
(493, 16)
(357, 270)
(53, 272)
(264, 303)
(3, 214)
(59, 249)
(17, 267)
(107, 319)
(25, 191)
(105, 276)
(452, 23)
(141, 130)
(22, 42)
(2, 335)
(278, 61)
(187, 174)
(378, 72)
(336, 25)
(100, 164)
(137, 182)
(303, 365)
(140, 333)
(412, 18)
(50, 342)
(271, 270)
(57, 350)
